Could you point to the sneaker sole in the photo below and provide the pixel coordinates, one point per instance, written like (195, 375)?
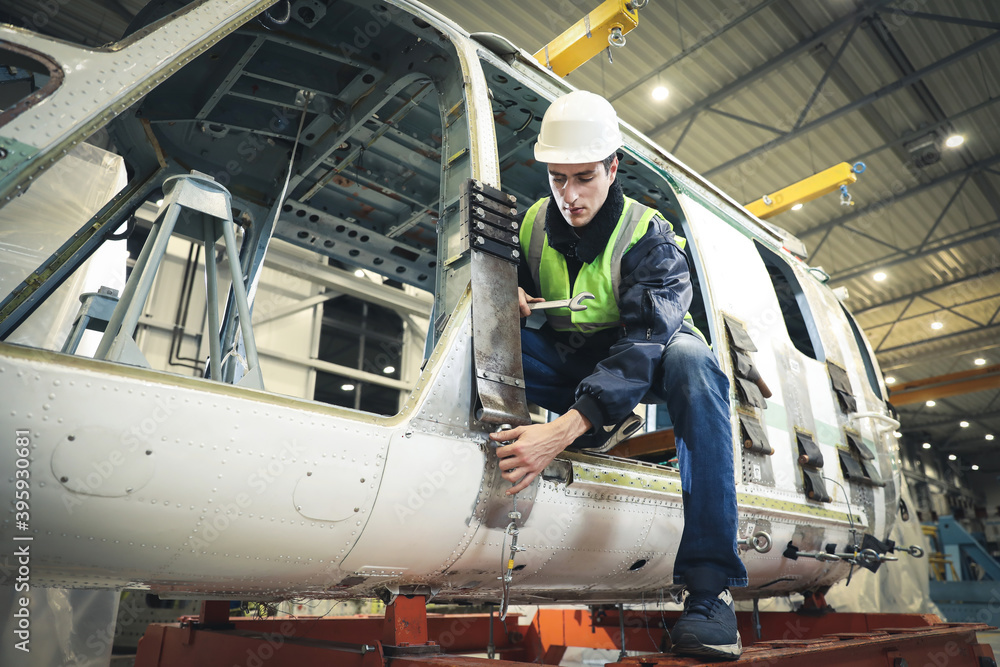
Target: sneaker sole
(689, 645)
(628, 430)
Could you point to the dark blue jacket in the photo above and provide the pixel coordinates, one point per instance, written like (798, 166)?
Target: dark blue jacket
(655, 294)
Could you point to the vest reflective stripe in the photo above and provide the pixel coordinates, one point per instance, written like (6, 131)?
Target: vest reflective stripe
(602, 277)
(531, 244)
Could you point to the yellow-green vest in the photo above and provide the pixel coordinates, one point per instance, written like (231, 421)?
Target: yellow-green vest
(601, 277)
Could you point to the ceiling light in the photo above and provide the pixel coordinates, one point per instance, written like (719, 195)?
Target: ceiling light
(879, 277)
(980, 362)
(897, 434)
(797, 207)
(930, 404)
(926, 445)
(989, 436)
(660, 93)
(347, 387)
(937, 325)
(159, 202)
(389, 369)
(359, 273)
(963, 424)
(952, 457)
(975, 467)
(890, 380)
(954, 141)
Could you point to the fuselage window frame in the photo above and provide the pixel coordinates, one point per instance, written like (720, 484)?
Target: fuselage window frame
(866, 356)
(796, 313)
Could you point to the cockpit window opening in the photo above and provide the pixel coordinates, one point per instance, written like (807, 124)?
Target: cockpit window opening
(798, 318)
(365, 192)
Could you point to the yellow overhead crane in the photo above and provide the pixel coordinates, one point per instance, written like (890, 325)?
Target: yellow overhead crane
(836, 177)
(600, 29)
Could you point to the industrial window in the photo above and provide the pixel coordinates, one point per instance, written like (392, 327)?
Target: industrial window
(366, 337)
(865, 356)
(795, 309)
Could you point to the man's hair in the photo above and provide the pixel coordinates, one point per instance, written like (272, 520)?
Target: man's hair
(607, 162)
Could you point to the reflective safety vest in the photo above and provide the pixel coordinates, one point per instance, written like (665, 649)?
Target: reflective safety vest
(602, 277)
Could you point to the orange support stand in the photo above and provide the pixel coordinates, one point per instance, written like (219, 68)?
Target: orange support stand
(407, 636)
(406, 621)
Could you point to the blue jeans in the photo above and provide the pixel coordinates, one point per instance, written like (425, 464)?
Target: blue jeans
(696, 393)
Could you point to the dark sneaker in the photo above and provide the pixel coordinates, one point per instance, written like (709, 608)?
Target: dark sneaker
(608, 437)
(707, 628)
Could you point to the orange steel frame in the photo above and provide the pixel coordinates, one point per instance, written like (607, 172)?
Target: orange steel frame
(409, 637)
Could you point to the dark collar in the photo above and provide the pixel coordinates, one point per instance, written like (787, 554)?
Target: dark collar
(587, 243)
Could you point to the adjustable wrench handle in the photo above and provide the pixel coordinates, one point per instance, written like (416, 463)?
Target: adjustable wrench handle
(574, 304)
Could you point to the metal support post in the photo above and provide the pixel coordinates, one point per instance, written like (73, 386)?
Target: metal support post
(94, 314)
(211, 203)
(212, 302)
(622, 653)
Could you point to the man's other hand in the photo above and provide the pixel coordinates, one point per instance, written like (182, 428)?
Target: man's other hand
(523, 300)
(534, 446)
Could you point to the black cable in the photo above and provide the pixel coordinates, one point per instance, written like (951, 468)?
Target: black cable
(646, 619)
(130, 227)
(281, 21)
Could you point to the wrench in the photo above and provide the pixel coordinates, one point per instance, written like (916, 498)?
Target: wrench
(575, 304)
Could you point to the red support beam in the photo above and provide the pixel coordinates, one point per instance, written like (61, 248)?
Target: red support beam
(214, 613)
(435, 640)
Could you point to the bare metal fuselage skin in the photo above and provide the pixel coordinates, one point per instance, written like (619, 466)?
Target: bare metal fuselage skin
(189, 487)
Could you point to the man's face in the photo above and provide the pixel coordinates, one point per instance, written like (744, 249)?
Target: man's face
(581, 189)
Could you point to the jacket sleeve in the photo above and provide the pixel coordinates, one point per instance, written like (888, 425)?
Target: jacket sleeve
(655, 294)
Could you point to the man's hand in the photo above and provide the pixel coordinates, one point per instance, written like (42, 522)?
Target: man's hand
(534, 446)
(523, 300)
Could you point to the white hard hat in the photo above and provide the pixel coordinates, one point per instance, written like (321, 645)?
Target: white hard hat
(577, 128)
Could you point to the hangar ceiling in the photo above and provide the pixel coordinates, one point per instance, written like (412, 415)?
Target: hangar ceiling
(763, 93)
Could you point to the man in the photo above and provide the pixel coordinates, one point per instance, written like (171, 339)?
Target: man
(633, 344)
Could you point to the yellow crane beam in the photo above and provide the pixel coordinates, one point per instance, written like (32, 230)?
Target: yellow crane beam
(836, 177)
(945, 386)
(597, 30)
